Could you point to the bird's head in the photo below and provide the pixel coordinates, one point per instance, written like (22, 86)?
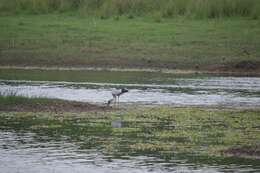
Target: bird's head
(124, 90)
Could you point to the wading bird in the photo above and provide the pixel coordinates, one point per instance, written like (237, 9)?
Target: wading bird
(116, 94)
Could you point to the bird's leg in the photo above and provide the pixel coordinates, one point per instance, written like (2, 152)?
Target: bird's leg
(114, 100)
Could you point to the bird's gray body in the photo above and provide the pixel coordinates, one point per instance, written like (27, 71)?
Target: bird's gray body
(116, 94)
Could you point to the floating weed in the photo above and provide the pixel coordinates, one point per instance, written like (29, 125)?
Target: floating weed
(150, 130)
(54, 126)
(125, 130)
(146, 147)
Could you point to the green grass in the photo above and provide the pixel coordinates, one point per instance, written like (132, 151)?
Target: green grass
(158, 131)
(12, 99)
(165, 8)
(64, 40)
(120, 77)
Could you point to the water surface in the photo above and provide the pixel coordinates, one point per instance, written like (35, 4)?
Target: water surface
(40, 144)
(181, 91)
(37, 145)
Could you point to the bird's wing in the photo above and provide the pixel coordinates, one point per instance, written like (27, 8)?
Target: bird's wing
(116, 92)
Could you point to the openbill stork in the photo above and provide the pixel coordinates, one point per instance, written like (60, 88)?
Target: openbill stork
(116, 94)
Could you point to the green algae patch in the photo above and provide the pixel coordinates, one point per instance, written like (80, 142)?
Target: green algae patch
(159, 130)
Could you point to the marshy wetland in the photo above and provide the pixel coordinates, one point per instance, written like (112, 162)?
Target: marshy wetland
(192, 69)
(157, 139)
(157, 128)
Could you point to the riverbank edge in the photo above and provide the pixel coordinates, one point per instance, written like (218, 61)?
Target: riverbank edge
(14, 103)
(154, 70)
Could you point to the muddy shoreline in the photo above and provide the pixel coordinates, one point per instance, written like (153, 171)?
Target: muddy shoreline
(209, 70)
(54, 106)
(244, 152)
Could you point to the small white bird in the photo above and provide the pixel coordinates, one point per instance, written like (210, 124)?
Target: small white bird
(116, 94)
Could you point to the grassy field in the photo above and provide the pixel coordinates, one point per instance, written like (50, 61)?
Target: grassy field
(160, 131)
(108, 8)
(139, 42)
(116, 77)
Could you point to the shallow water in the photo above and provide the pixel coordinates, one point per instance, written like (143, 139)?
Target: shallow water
(37, 145)
(202, 91)
(21, 152)
(77, 147)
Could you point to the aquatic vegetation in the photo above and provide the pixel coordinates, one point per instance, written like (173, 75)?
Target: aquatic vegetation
(159, 131)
